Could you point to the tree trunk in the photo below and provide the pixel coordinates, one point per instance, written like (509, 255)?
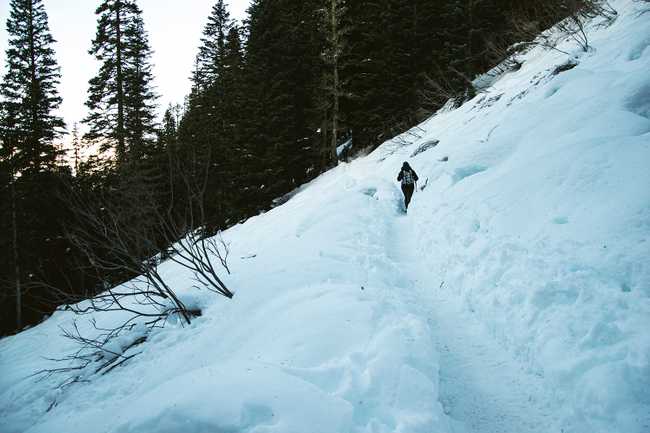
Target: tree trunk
(16, 257)
(121, 142)
(76, 145)
(335, 72)
(34, 136)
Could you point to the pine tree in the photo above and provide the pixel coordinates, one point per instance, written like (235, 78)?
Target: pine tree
(210, 65)
(233, 109)
(140, 99)
(76, 147)
(366, 60)
(334, 33)
(211, 55)
(399, 18)
(209, 130)
(121, 102)
(28, 127)
(231, 82)
(29, 89)
(167, 147)
(284, 75)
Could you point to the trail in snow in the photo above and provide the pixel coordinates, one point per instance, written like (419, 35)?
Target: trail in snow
(483, 388)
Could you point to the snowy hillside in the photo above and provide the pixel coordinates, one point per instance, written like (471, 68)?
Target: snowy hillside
(514, 297)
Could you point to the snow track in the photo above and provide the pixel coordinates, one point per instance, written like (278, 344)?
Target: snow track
(482, 387)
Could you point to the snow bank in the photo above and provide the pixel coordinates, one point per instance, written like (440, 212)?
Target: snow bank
(534, 222)
(315, 340)
(540, 221)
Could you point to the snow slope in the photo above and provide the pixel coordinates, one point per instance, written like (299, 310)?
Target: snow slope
(514, 297)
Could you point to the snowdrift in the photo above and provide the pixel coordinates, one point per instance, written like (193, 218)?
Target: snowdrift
(514, 296)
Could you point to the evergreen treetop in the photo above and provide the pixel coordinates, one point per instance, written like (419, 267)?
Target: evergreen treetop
(212, 50)
(29, 90)
(121, 101)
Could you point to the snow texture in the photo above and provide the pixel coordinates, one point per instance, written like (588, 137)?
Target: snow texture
(514, 297)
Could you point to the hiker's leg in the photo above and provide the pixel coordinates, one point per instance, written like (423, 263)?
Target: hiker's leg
(408, 193)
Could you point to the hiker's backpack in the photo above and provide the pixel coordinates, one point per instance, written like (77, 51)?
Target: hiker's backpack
(407, 177)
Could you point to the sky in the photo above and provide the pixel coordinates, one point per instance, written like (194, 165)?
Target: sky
(174, 28)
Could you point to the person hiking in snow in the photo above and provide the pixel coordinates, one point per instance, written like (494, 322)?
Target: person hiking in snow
(409, 178)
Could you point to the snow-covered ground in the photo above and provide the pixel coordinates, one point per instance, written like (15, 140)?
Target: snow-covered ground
(514, 297)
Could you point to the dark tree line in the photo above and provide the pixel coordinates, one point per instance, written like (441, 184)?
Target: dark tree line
(31, 242)
(271, 100)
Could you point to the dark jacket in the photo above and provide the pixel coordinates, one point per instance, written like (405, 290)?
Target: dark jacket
(406, 174)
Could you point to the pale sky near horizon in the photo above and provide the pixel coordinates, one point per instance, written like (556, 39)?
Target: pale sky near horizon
(174, 28)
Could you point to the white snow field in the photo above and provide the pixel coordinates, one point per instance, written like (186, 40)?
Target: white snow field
(514, 297)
